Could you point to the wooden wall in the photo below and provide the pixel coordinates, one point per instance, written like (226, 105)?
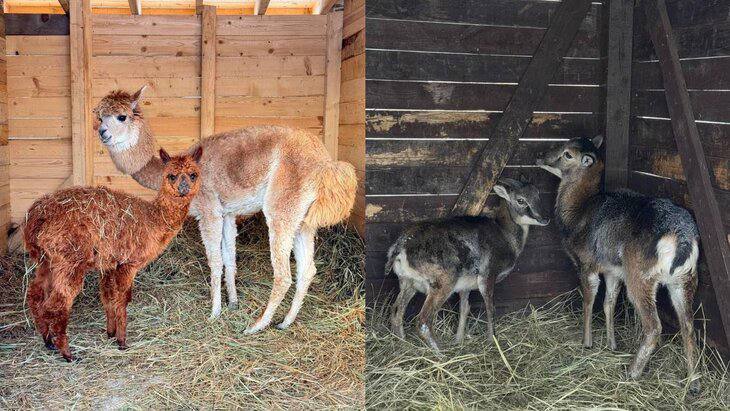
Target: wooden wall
(439, 73)
(4, 152)
(352, 101)
(700, 28)
(269, 70)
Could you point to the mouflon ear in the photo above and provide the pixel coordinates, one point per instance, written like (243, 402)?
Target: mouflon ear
(501, 191)
(597, 140)
(137, 96)
(586, 160)
(164, 156)
(197, 154)
(509, 182)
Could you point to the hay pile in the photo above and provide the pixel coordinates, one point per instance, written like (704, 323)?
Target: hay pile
(538, 363)
(177, 358)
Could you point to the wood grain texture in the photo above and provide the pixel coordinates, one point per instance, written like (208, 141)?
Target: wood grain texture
(81, 123)
(332, 82)
(208, 72)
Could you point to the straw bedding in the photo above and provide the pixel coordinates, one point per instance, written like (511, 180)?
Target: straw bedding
(177, 357)
(538, 362)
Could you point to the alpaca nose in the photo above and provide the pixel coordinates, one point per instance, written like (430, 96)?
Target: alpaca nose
(104, 138)
(184, 187)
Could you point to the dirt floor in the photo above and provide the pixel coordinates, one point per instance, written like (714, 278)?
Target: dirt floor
(537, 362)
(177, 357)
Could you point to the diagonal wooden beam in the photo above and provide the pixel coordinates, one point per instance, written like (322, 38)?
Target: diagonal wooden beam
(64, 5)
(707, 212)
(494, 155)
(135, 6)
(260, 6)
(323, 6)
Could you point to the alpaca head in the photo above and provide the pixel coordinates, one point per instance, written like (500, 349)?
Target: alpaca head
(181, 175)
(118, 120)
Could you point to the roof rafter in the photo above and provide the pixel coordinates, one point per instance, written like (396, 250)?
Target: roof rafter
(135, 6)
(260, 7)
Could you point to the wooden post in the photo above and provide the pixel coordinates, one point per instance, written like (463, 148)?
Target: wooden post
(714, 243)
(618, 98)
(494, 155)
(323, 6)
(135, 7)
(260, 6)
(82, 133)
(64, 5)
(207, 72)
(331, 122)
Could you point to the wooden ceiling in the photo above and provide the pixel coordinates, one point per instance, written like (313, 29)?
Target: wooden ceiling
(176, 6)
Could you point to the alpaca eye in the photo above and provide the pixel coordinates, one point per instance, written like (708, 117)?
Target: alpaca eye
(122, 118)
(172, 177)
(193, 176)
(568, 155)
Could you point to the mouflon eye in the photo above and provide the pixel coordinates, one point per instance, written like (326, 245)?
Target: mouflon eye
(568, 155)
(193, 176)
(122, 117)
(172, 177)
(521, 201)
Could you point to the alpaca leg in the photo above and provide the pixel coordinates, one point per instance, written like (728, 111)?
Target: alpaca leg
(280, 242)
(643, 296)
(463, 315)
(229, 258)
(57, 307)
(36, 296)
(124, 278)
(108, 293)
(211, 231)
(405, 295)
(304, 256)
(682, 297)
(613, 285)
(589, 286)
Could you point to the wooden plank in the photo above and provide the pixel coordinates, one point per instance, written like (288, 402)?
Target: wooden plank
(167, 107)
(270, 106)
(699, 74)
(260, 6)
(208, 72)
(36, 24)
(658, 133)
(143, 45)
(40, 107)
(64, 5)
(618, 96)
(707, 212)
(142, 67)
(146, 25)
(323, 6)
(81, 123)
(40, 86)
(667, 163)
(332, 82)
(35, 45)
(135, 7)
(353, 20)
(532, 87)
(700, 40)
(231, 123)
(707, 105)
(403, 65)
(262, 66)
(295, 86)
(306, 25)
(40, 159)
(478, 39)
(39, 128)
(242, 46)
(156, 86)
(25, 66)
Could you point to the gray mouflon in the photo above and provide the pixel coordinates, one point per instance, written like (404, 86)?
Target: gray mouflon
(628, 237)
(462, 254)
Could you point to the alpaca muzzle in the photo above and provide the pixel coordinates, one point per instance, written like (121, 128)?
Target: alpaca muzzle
(184, 187)
(104, 138)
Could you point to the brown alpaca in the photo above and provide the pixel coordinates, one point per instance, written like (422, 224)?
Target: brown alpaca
(283, 172)
(75, 230)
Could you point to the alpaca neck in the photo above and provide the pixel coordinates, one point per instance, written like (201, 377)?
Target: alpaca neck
(574, 192)
(172, 212)
(139, 160)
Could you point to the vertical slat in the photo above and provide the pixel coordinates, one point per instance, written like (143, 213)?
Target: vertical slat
(707, 212)
(207, 101)
(260, 6)
(618, 99)
(135, 7)
(332, 82)
(533, 85)
(81, 126)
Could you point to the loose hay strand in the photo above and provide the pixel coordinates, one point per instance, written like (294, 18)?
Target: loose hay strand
(179, 359)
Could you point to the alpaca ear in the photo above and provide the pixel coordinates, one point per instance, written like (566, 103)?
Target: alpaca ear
(164, 156)
(197, 154)
(137, 96)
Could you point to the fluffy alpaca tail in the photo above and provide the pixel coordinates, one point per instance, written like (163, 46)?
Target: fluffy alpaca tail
(336, 184)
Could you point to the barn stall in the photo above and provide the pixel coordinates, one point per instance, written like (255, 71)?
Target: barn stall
(209, 67)
(459, 93)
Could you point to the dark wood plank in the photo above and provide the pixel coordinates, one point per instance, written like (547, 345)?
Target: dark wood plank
(526, 99)
(402, 65)
(699, 74)
(429, 124)
(618, 96)
(452, 38)
(464, 96)
(36, 25)
(668, 163)
(706, 105)
(659, 133)
(353, 45)
(683, 13)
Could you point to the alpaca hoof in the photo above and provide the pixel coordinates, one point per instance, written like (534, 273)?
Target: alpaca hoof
(71, 359)
(110, 334)
(214, 314)
(50, 345)
(122, 345)
(253, 329)
(283, 325)
(233, 305)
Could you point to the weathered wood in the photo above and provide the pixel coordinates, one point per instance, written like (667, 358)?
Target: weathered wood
(64, 5)
(618, 99)
(323, 6)
(699, 74)
(706, 105)
(260, 7)
(146, 25)
(527, 96)
(81, 125)
(265, 65)
(666, 162)
(426, 36)
(658, 133)
(694, 41)
(135, 7)
(208, 72)
(332, 82)
(306, 25)
(705, 206)
(36, 24)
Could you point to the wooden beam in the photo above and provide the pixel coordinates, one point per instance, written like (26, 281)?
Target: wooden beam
(135, 6)
(323, 6)
(618, 98)
(82, 133)
(332, 83)
(706, 210)
(64, 5)
(36, 25)
(260, 6)
(207, 80)
(495, 154)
